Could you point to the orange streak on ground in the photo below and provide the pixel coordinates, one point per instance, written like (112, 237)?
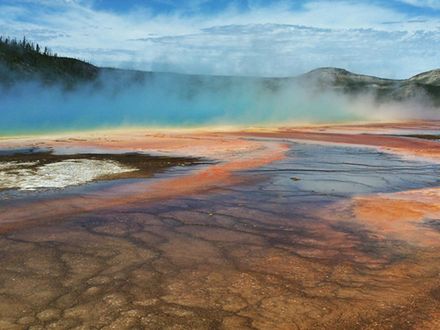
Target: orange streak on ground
(390, 214)
(401, 214)
(401, 145)
(234, 155)
(199, 144)
(372, 127)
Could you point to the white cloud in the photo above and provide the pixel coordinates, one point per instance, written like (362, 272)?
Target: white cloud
(262, 41)
(434, 4)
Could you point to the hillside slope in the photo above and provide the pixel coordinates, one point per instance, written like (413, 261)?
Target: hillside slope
(23, 61)
(425, 86)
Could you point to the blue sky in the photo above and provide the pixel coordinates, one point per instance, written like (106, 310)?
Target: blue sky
(391, 38)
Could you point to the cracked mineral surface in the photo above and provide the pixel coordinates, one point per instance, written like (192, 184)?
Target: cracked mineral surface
(235, 243)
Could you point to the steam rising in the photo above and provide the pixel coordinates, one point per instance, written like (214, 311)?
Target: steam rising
(168, 100)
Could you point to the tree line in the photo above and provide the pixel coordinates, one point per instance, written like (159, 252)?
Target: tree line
(26, 46)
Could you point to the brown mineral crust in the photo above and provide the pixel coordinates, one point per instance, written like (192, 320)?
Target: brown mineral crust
(196, 262)
(238, 155)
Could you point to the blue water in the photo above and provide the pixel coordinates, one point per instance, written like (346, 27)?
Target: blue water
(165, 101)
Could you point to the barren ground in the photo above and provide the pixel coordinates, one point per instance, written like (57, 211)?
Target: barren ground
(332, 227)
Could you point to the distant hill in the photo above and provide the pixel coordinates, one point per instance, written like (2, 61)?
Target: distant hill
(24, 61)
(427, 78)
(424, 85)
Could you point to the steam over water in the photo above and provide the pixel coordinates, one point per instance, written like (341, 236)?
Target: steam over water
(167, 100)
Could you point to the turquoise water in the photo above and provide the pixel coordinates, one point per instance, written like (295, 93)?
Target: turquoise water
(164, 102)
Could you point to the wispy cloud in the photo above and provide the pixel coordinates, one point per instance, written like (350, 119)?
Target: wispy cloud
(435, 4)
(271, 40)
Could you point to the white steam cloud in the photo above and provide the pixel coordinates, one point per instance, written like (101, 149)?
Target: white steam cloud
(169, 100)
